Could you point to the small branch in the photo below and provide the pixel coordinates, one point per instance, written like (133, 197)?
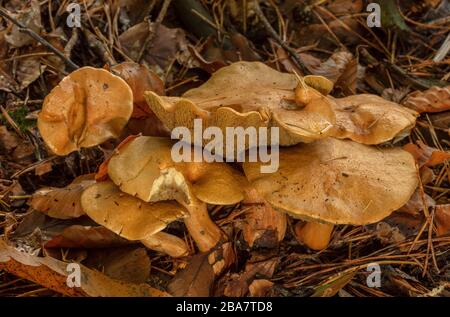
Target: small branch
(37, 37)
(154, 29)
(443, 51)
(298, 62)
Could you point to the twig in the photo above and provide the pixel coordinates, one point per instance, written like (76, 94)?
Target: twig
(299, 63)
(37, 37)
(154, 29)
(443, 51)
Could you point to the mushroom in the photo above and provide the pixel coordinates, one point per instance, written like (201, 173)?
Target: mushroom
(144, 168)
(247, 94)
(334, 181)
(134, 219)
(88, 107)
(370, 119)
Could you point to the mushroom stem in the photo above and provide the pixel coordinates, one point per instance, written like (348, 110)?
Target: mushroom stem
(203, 230)
(314, 235)
(166, 243)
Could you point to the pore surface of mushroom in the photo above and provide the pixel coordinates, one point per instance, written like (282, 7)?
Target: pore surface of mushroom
(88, 107)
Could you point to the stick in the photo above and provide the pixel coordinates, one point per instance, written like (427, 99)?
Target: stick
(299, 63)
(37, 37)
(155, 27)
(443, 51)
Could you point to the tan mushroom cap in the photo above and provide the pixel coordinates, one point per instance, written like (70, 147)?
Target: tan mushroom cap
(144, 166)
(88, 107)
(247, 94)
(370, 119)
(337, 181)
(126, 215)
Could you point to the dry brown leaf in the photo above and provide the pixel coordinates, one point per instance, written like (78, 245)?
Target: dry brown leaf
(31, 18)
(88, 107)
(195, 280)
(140, 79)
(260, 288)
(247, 94)
(370, 119)
(126, 215)
(417, 203)
(53, 274)
(62, 203)
(263, 226)
(85, 237)
(337, 181)
(335, 66)
(128, 264)
(435, 99)
(164, 47)
(426, 155)
(442, 219)
(8, 140)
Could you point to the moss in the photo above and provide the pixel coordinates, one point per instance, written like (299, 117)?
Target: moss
(18, 115)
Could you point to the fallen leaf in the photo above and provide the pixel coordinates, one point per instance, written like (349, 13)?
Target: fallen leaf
(140, 79)
(8, 140)
(53, 274)
(62, 203)
(128, 264)
(260, 288)
(426, 155)
(195, 280)
(435, 99)
(29, 17)
(85, 237)
(263, 226)
(442, 219)
(167, 42)
(416, 203)
(335, 66)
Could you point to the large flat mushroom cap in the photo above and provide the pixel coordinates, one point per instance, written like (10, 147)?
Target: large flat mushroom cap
(370, 119)
(337, 181)
(144, 168)
(126, 215)
(88, 107)
(247, 94)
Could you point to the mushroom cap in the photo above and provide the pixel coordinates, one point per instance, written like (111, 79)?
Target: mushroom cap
(144, 168)
(126, 215)
(337, 181)
(247, 94)
(370, 119)
(88, 107)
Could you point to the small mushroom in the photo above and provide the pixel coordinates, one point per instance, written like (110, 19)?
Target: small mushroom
(88, 107)
(335, 181)
(144, 168)
(134, 219)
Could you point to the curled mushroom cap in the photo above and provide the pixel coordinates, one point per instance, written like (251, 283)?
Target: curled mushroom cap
(370, 119)
(247, 94)
(88, 107)
(337, 181)
(126, 215)
(143, 167)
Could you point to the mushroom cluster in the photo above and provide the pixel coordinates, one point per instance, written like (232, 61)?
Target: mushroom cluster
(330, 169)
